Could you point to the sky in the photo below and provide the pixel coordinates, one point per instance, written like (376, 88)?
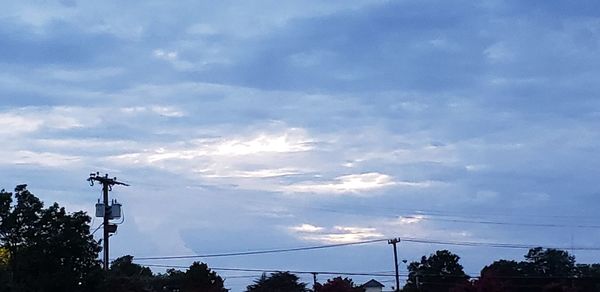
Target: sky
(250, 125)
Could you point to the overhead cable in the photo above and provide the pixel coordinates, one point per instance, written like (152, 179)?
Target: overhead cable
(258, 252)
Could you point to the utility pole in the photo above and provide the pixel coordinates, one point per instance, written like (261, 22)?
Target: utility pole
(394, 242)
(314, 281)
(108, 228)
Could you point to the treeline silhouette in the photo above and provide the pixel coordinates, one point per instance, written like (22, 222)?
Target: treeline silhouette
(47, 249)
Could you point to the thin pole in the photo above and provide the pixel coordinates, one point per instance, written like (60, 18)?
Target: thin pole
(394, 242)
(105, 188)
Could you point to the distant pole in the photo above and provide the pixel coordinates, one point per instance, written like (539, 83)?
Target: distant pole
(394, 242)
(314, 281)
(107, 184)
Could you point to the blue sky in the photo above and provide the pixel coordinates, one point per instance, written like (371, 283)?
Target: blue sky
(250, 125)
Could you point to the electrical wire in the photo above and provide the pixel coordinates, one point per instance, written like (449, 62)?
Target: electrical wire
(373, 274)
(436, 217)
(258, 252)
(403, 239)
(122, 218)
(495, 244)
(97, 228)
(551, 225)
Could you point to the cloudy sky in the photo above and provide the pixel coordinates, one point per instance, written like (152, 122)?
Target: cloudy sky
(248, 125)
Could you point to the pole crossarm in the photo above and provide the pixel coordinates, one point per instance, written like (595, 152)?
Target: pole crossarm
(104, 180)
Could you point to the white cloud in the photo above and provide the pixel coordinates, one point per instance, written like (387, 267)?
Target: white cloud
(173, 58)
(165, 111)
(32, 119)
(307, 228)
(165, 55)
(337, 234)
(168, 111)
(11, 123)
(45, 159)
(260, 173)
(410, 219)
(347, 184)
(290, 141)
(254, 161)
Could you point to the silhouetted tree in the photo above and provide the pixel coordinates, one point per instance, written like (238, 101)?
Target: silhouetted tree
(199, 278)
(550, 262)
(125, 267)
(339, 284)
(542, 270)
(588, 277)
(502, 276)
(438, 272)
(549, 269)
(124, 275)
(172, 280)
(47, 249)
(277, 282)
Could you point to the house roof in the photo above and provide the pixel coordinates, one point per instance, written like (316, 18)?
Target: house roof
(372, 283)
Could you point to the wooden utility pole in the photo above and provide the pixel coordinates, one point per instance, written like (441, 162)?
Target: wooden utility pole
(314, 281)
(108, 228)
(394, 242)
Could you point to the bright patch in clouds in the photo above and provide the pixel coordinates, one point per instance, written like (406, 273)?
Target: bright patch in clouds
(410, 219)
(261, 173)
(11, 124)
(307, 228)
(337, 234)
(285, 143)
(165, 111)
(173, 58)
(289, 142)
(25, 120)
(165, 55)
(237, 160)
(346, 184)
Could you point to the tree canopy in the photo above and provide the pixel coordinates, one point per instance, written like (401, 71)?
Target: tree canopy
(542, 270)
(199, 278)
(277, 282)
(45, 249)
(339, 284)
(439, 272)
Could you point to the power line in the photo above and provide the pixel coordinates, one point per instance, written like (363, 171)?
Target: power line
(551, 225)
(404, 239)
(97, 228)
(495, 245)
(372, 274)
(432, 217)
(258, 252)
(241, 277)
